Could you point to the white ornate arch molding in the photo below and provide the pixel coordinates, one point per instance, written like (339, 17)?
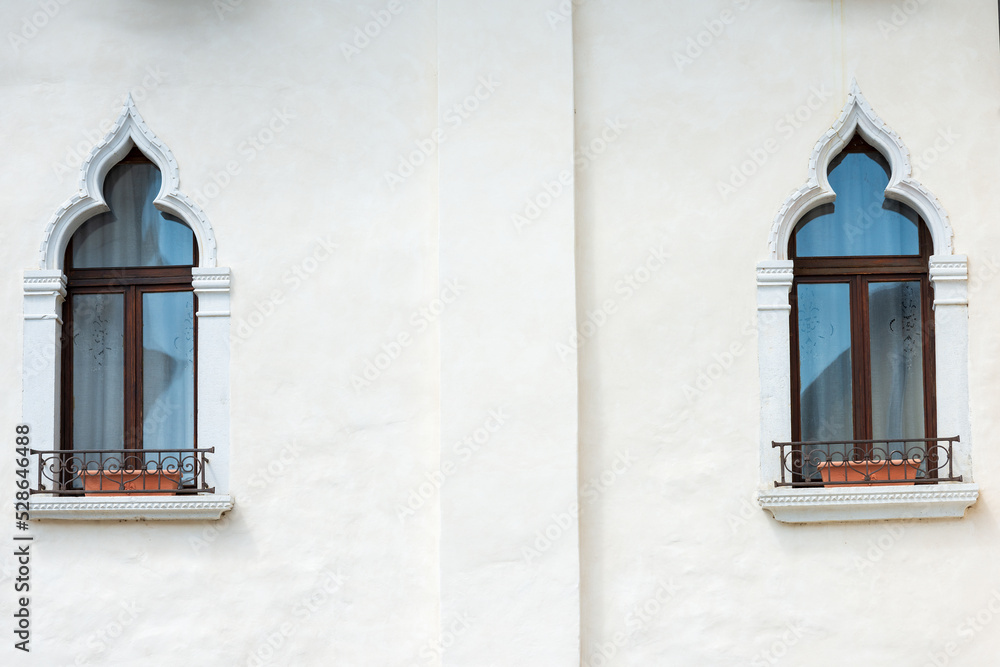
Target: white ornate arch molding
(858, 116)
(45, 290)
(128, 131)
(949, 276)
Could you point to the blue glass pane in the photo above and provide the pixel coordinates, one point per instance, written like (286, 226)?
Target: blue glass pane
(168, 370)
(861, 221)
(825, 388)
(896, 361)
(133, 232)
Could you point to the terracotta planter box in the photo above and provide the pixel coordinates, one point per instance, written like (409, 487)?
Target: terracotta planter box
(858, 471)
(133, 482)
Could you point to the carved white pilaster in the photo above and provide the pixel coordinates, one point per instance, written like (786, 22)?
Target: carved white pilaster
(774, 282)
(211, 286)
(44, 292)
(949, 275)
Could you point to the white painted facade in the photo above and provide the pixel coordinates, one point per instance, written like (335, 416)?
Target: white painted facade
(481, 344)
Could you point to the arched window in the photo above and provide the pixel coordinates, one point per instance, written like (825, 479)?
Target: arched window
(126, 344)
(862, 337)
(862, 321)
(129, 329)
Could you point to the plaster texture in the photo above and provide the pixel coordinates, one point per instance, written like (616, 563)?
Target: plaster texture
(494, 386)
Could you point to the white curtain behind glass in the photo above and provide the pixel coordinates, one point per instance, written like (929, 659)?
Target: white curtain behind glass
(861, 221)
(168, 371)
(896, 361)
(825, 387)
(133, 232)
(98, 373)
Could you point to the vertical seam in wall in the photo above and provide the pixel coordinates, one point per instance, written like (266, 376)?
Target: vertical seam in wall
(843, 51)
(576, 311)
(439, 435)
(837, 43)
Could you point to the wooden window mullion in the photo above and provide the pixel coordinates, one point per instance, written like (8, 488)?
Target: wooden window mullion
(137, 408)
(859, 392)
(930, 373)
(66, 389)
(927, 331)
(793, 302)
(133, 370)
(865, 372)
(796, 373)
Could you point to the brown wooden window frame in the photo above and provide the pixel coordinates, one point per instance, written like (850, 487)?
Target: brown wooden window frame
(859, 272)
(132, 282)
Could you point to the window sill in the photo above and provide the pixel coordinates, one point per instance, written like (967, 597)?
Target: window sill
(942, 501)
(130, 508)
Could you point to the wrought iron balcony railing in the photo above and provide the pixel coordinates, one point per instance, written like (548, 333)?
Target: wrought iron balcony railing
(102, 472)
(866, 462)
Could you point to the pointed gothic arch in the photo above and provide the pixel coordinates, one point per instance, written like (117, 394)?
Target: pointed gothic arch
(129, 131)
(858, 116)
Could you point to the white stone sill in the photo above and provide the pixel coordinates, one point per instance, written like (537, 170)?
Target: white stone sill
(940, 501)
(129, 508)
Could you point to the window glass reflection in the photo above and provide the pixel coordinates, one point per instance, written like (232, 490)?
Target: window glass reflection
(133, 232)
(862, 221)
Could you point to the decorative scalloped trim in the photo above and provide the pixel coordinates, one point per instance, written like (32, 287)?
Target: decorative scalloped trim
(858, 115)
(44, 281)
(961, 267)
(90, 509)
(868, 504)
(55, 283)
(214, 279)
(867, 499)
(128, 131)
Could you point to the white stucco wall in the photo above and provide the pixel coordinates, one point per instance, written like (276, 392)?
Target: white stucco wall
(342, 549)
(319, 467)
(672, 377)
